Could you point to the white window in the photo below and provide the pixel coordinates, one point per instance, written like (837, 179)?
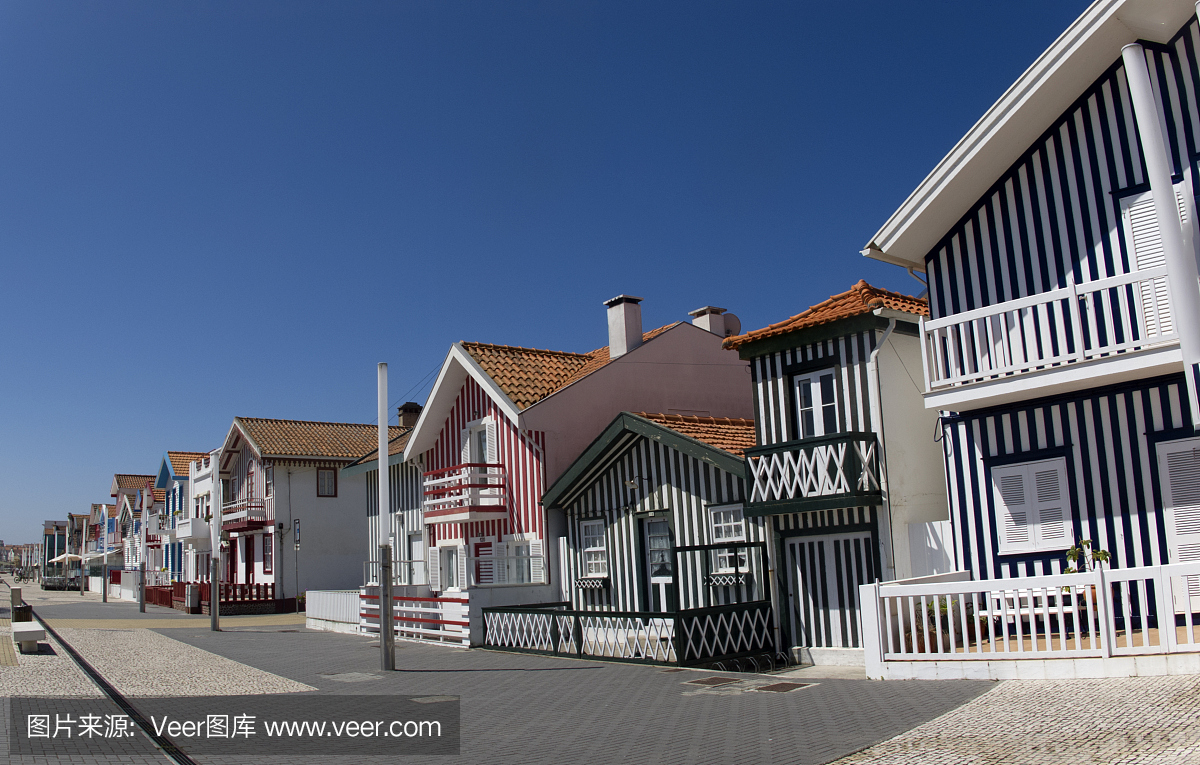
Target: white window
(595, 555)
(728, 525)
(326, 482)
(816, 404)
(1033, 514)
(270, 474)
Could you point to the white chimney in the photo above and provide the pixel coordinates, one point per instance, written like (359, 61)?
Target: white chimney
(624, 325)
(716, 320)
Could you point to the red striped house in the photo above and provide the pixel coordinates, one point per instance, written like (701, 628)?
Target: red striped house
(503, 421)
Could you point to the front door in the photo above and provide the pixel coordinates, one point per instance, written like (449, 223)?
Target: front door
(251, 543)
(824, 573)
(659, 566)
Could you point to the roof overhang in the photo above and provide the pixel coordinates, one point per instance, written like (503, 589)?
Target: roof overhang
(1047, 88)
(455, 370)
(626, 422)
(367, 466)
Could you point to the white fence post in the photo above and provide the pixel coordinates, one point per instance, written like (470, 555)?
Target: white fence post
(1107, 625)
(1167, 639)
(872, 645)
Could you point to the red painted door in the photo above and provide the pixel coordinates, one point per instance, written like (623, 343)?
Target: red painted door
(251, 543)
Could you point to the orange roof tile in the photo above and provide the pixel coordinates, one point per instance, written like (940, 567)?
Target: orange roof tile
(732, 434)
(300, 438)
(180, 461)
(131, 481)
(395, 446)
(860, 299)
(528, 375)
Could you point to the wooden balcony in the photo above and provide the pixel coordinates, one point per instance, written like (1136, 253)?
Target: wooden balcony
(247, 513)
(840, 470)
(472, 491)
(1079, 336)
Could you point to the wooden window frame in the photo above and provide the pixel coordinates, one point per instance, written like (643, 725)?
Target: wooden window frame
(268, 553)
(722, 561)
(814, 371)
(335, 482)
(602, 549)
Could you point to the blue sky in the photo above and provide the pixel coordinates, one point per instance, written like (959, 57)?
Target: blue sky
(214, 209)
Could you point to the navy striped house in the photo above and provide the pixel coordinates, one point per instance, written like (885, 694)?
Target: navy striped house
(1061, 262)
(845, 467)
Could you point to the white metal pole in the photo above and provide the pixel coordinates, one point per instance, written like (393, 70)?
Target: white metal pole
(215, 511)
(147, 499)
(104, 560)
(1183, 280)
(386, 636)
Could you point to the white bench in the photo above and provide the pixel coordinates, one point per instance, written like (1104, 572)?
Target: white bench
(27, 635)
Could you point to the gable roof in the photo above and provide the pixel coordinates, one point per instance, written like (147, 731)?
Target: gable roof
(528, 375)
(128, 482)
(368, 461)
(181, 461)
(694, 436)
(303, 438)
(730, 434)
(1073, 62)
(860, 299)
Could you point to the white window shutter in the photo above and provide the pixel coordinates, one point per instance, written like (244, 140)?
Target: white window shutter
(1146, 241)
(465, 449)
(1179, 464)
(1053, 525)
(499, 562)
(492, 451)
(537, 565)
(1012, 507)
(463, 582)
(433, 568)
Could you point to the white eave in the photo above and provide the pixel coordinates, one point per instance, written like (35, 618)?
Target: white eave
(1059, 76)
(458, 366)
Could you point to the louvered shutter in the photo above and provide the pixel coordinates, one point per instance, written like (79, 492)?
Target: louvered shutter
(1049, 489)
(462, 567)
(537, 565)
(1146, 241)
(500, 562)
(1179, 470)
(1012, 508)
(491, 442)
(464, 455)
(433, 568)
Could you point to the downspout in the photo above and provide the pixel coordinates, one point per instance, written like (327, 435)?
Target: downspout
(877, 420)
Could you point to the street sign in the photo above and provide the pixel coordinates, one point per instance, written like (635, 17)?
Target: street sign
(297, 533)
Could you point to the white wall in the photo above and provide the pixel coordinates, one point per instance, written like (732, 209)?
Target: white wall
(681, 369)
(333, 536)
(915, 463)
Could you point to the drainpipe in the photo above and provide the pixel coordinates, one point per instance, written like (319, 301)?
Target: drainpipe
(1182, 281)
(877, 420)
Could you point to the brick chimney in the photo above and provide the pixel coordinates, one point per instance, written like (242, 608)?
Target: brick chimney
(410, 412)
(624, 325)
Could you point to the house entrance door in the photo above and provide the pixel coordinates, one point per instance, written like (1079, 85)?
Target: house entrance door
(251, 543)
(824, 573)
(659, 566)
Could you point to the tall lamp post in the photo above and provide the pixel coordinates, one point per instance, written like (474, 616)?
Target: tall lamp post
(387, 637)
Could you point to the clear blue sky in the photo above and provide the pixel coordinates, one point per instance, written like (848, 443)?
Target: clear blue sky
(227, 208)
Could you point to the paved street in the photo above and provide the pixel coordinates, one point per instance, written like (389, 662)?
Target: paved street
(518, 708)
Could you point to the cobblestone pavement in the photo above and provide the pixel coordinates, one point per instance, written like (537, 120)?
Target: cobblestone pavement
(1117, 721)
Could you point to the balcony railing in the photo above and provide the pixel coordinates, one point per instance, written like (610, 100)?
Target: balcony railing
(471, 491)
(1076, 323)
(247, 513)
(840, 470)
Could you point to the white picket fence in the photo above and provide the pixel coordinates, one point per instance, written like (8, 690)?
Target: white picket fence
(340, 606)
(1102, 623)
(440, 619)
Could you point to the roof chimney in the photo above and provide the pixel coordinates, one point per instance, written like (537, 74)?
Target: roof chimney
(715, 320)
(409, 412)
(624, 325)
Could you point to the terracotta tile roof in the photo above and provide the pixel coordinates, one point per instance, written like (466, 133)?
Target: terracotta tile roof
(131, 481)
(528, 375)
(731, 434)
(300, 438)
(160, 495)
(860, 299)
(180, 461)
(395, 446)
